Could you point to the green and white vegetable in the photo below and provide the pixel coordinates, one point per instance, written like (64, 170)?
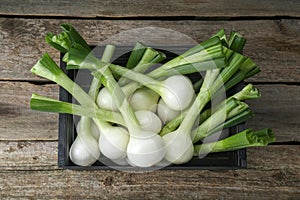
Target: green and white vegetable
(105, 100)
(244, 139)
(177, 90)
(143, 117)
(165, 113)
(143, 58)
(148, 97)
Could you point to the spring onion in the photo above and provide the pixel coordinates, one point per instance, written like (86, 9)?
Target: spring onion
(143, 116)
(149, 120)
(113, 140)
(46, 104)
(165, 113)
(148, 98)
(145, 148)
(84, 150)
(213, 81)
(244, 139)
(105, 100)
(47, 68)
(177, 91)
(143, 58)
(209, 55)
(229, 108)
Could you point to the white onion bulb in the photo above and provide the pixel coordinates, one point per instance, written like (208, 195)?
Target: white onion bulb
(94, 129)
(179, 147)
(84, 151)
(177, 92)
(145, 149)
(83, 155)
(144, 99)
(149, 121)
(165, 113)
(113, 142)
(105, 100)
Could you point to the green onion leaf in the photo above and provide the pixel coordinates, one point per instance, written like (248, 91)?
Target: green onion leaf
(46, 104)
(74, 35)
(236, 42)
(136, 55)
(244, 139)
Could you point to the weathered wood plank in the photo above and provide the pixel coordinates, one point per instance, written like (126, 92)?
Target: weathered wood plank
(28, 170)
(17, 120)
(28, 155)
(245, 184)
(42, 155)
(273, 44)
(278, 109)
(150, 8)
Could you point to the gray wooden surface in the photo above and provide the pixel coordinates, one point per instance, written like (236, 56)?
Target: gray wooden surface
(28, 139)
(151, 8)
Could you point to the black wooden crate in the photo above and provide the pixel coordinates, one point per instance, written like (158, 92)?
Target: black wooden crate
(67, 131)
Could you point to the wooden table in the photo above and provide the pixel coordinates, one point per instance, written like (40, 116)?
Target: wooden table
(28, 139)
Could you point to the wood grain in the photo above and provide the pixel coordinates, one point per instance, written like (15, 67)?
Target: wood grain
(32, 165)
(151, 8)
(42, 155)
(278, 109)
(273, 44)
(28, 139)
(28, 155)
(17, 120)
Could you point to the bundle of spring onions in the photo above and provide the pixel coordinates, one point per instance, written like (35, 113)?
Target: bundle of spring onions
(141, 117)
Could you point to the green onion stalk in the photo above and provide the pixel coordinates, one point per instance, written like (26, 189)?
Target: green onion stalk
(248, 69)
(47, 68)
(145, 148)
(45, 104)
(166, 89)
(213, 81)
(196, 59)
(230, 108)
(141, 59)
(248, 92)
(206, 55)
(65, 40)
(236, 43)
(244, 139)
(220, 57)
